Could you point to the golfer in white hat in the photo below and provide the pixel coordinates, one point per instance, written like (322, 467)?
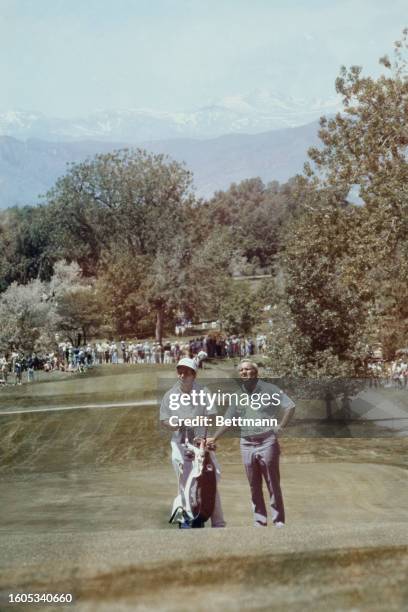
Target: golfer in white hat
(180, 404)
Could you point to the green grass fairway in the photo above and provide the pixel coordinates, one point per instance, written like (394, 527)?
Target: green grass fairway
(106, 383)
(100, 384)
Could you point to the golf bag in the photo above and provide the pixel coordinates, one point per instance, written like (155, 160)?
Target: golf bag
(197, 486)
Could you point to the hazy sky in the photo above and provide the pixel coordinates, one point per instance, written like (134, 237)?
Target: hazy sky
(68, 57)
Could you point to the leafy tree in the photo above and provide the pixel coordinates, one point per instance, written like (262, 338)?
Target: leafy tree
(78, 314)
(66, 277)
(239, 310)
(346, 266)
(366, 146)
(127, 198)
(24, 314)
(253, 214)
(128, 216)
(25, 238)
(76, 310)
(319, 319)
(33, 313)
(119, 282)
(183, 276)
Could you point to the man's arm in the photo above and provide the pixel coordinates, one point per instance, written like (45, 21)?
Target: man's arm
(166, 413)
(231, 412)
(287, 416)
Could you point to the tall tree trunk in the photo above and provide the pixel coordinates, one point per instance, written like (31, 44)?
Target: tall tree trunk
(159, 324)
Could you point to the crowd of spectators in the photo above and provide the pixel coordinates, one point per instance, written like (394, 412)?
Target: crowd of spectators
(389, 374)
(68, 358)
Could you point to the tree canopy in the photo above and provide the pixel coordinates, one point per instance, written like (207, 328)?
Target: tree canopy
(346, 266)
(126, 198)
(252, 214)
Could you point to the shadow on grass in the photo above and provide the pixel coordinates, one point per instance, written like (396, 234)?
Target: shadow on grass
(348, 578)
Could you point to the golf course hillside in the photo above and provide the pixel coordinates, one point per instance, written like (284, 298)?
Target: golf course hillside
(87, 488)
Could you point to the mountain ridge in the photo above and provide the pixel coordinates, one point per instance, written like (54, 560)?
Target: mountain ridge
(256, 112)
(30, 168)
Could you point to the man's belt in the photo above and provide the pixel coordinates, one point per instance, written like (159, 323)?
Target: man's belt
(259, 437)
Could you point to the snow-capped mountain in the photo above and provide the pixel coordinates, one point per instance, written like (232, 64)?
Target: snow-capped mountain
(256, 112)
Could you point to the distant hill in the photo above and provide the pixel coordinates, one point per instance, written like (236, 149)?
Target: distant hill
(29, 168)
(216, 163)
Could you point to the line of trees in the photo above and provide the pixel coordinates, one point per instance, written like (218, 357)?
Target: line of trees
(145, 249)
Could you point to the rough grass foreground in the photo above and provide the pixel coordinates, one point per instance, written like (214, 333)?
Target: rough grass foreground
(334, 579)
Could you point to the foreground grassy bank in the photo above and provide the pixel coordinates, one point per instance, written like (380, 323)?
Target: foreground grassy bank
(358, 566)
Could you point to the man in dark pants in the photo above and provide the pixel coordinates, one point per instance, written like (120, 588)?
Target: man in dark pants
(259, 445)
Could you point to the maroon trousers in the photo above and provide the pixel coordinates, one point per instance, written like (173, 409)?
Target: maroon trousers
(260, 455)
